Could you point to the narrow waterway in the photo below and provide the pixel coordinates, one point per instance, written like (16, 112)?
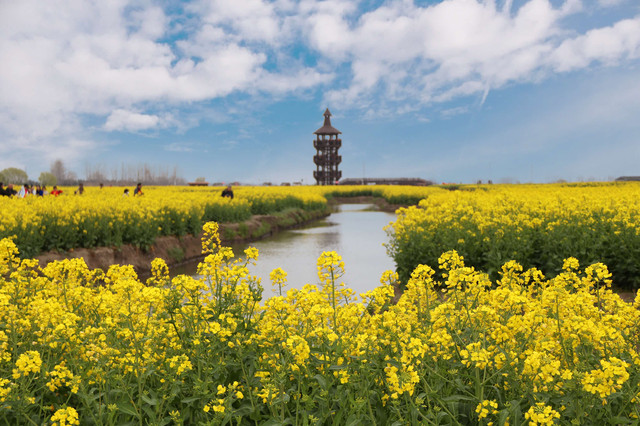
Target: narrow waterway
(354, 231)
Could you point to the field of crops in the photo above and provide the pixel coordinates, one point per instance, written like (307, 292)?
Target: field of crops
(86, 347)
(104, 217)
(537, 225)
(507, 317)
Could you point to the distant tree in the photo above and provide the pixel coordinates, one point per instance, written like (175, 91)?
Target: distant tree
(71, 179)
(200, 179)
(47, 179)
(14, 176)
(126, 174)
(59, 171)
(95, 174)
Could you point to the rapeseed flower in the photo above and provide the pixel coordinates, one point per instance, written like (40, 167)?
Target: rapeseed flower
(65, 417)
(27, 363)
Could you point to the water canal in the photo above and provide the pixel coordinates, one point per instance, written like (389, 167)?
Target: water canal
(354, 231)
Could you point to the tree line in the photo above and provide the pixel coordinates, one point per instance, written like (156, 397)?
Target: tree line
(125, 174)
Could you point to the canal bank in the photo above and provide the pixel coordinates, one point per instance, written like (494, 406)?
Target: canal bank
(180, 250)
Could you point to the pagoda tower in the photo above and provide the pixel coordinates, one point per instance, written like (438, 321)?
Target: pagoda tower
(327, 159)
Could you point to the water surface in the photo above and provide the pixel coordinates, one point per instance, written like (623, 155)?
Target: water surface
(355, 232)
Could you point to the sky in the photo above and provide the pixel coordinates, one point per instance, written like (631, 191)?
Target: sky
(232, 90)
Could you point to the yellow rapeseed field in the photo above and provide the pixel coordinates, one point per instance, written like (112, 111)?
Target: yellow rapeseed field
(507, 316)
(537, 225)
(87, 347)
(105, 217)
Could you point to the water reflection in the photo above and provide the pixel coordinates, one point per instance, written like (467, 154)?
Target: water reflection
(353, 232)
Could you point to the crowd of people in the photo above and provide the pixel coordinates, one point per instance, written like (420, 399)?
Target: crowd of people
(27, 190)
(41, 190)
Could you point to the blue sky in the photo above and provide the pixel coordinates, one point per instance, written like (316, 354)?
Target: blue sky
(451, 91)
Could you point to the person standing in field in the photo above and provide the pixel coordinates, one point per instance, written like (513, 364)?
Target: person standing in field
(228, 192)
(24, 191)
(9, 191)
(138, 190)
(80, 189)
(55, 191)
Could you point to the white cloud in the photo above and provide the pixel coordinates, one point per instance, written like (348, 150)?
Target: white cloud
(121, 119)
(607, 45)
(330, 34)
(457, 48)
(251, 20)
(65, 60)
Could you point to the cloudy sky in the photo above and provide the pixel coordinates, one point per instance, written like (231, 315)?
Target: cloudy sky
(232, 90)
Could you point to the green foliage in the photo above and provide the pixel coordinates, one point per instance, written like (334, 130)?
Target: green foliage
(176, 253)
(47, 179)
(13, 175)
(228, 234)
(262, 230)
(243, 230)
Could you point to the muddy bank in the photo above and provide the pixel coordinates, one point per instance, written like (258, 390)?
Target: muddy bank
(178, 250)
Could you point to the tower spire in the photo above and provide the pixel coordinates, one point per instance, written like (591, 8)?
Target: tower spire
(327, 118)
(327, 128)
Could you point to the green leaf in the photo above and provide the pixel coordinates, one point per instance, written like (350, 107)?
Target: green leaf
(322, 381)
(128, 408)
(243, 410)
(457, 398)
(622, 421)
(353, 420)
(503, 417)
(273, 422)
(441, 416)
(338, 367)
(150, 401)
(148, 411)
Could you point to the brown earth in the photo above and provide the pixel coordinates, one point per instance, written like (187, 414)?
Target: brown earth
(178, 250)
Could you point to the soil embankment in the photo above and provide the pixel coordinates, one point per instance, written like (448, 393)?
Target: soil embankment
(177, 250)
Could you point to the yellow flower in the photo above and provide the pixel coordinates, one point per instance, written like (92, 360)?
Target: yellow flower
(28, 362)
(608, 379)
(65, 416)
(541, 414)
(486, 407)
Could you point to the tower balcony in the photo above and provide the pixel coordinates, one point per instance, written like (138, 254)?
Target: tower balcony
(327, 177)
(325, 144)
(326, 160)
